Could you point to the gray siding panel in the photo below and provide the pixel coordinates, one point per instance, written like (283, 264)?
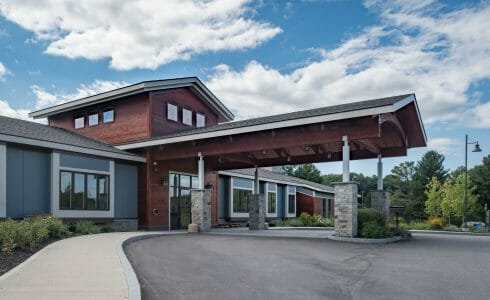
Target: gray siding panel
(223, 197)
(28, 182)
(83, 162)
(304, 191)
(281, 200)
(126, 191)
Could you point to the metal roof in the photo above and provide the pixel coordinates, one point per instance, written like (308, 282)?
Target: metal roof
(26, 132)
(145, 86)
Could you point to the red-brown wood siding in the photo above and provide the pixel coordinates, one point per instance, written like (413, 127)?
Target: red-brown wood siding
(130, 120)
(182, 98)
(309, 204)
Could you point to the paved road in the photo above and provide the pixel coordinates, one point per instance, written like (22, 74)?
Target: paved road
(430, 266)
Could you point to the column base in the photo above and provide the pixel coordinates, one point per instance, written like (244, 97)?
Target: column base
(345, 209)
(256, 213)
(201, 211)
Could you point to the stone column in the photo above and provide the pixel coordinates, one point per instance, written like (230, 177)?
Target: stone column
(345, 209)
(380, 201)
(201, 211)
(256, 212)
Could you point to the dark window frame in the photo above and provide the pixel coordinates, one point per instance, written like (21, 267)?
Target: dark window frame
(243, 202)
(91, 114)
(98, 176)
(107, 109)
(289, 204)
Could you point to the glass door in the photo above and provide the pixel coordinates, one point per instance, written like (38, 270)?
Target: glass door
(180, 200)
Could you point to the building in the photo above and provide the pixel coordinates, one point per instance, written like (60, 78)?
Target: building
(160, 139)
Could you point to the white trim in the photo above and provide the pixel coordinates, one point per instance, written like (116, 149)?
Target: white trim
(271, 191)
(287, 214)
(267, 126)
(61, 168)
(70, 148)
(233, 214)
(3, 180)
(55, 191)
(230, 173)
(148, 86)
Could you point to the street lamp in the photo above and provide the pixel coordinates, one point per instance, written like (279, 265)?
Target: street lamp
(476, 149)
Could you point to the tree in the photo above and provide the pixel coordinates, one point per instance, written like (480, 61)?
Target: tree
(480, 176)
(307, 171)
(435, 194)
(400, 184)
(430, 165)
(453, 201)
(329, 179)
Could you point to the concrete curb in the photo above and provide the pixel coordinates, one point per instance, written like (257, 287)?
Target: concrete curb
(365, 241)
(448, 232)
(134, 288)
(301, 228)
(28, 260)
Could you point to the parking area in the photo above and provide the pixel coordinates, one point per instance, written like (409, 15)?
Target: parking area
(430, 266)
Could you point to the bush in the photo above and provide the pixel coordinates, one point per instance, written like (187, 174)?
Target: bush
(56, 227)
(9, 235)
(373, 230)
(365, 215)
(292, 223)
(436, 223)
(305, 218)
(419, 225)
(85, 227)
(34, 231)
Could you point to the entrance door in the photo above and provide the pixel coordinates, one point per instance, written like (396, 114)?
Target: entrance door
(180, 199)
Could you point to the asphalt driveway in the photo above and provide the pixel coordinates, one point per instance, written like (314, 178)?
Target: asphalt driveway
(431, 266)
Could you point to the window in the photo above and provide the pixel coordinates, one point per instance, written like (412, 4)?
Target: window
(93, 119)
(187, 117)
(79, 122)
(172, 112)
(240, 200)
(271, 197)
(291, 204)
(82, 191)
(108, 115)
(200, 120)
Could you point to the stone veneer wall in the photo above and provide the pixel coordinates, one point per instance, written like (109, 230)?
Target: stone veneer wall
(380, 201)
(346, 209)
(256, 212)
(201, 211)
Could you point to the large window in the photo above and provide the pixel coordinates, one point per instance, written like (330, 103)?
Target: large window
(291, 204)
(240, 200)
(81, 191)
(200, 120)
(172, 112)
(271, 198)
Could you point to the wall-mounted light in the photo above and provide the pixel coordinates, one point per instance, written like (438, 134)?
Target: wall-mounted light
(155, 166)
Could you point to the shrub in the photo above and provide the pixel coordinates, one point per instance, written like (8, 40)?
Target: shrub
(9, 235)
(436, 223)
(365, 215)
(292, 223)
(373, 230)
(56, 227)
(419, 225)
(305, 218)
(85, 227)
(34, 232)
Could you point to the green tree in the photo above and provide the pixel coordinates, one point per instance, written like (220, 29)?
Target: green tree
(307, 171)
(400, 184)
(435, 194)
(453, 202)
(480, 176)
(329, 179)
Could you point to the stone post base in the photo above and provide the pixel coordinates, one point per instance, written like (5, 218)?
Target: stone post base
(201, 211)
(345, 209)
(256, 212)
(380, 201)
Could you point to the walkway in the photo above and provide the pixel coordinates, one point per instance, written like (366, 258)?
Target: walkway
(84, 267)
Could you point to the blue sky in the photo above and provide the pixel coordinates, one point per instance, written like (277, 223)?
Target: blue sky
(262, 57)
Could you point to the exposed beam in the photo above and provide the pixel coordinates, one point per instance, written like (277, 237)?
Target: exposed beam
(238, 158)
(369, 145)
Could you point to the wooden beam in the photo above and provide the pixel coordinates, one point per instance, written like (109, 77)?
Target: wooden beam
(369, 145)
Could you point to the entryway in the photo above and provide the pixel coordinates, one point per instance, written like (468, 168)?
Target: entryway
(180, 199)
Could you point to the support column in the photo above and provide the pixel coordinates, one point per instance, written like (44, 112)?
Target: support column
(380, 173)
(200, 171)
(345, 208)
(200, 210)
(345, 159)
(256, 206)
(380, 201)
(3, 180)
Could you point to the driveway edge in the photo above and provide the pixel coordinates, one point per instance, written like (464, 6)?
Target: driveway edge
(365, 241)
(448, 232)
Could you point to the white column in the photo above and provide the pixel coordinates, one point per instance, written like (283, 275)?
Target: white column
(380, 173)
(200, 172)
(3, 180)
(256, 181)
(345, 159)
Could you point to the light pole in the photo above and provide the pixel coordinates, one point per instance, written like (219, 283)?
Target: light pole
(476, 149)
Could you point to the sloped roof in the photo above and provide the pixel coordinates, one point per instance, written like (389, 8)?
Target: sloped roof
(30, 133)
(274, 176)
(145, 86)
(341, 111)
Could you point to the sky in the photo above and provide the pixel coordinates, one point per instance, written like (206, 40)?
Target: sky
(262, 58)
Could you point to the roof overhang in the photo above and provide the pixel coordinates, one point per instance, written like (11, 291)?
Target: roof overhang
(283, 124)
(147, 86)
(70, 148)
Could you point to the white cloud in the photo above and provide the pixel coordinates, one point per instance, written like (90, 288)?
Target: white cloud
(3, 71)
(417, 47)
(7, 111)
(45, 99)
(443, 145)
(139, 34)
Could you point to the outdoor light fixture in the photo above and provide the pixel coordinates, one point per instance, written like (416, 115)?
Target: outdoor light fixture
(307, 148)
(476, 149)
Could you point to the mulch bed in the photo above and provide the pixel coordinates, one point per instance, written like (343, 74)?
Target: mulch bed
(9, 261)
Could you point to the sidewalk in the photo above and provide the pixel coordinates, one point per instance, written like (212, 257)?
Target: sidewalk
(84, 267)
